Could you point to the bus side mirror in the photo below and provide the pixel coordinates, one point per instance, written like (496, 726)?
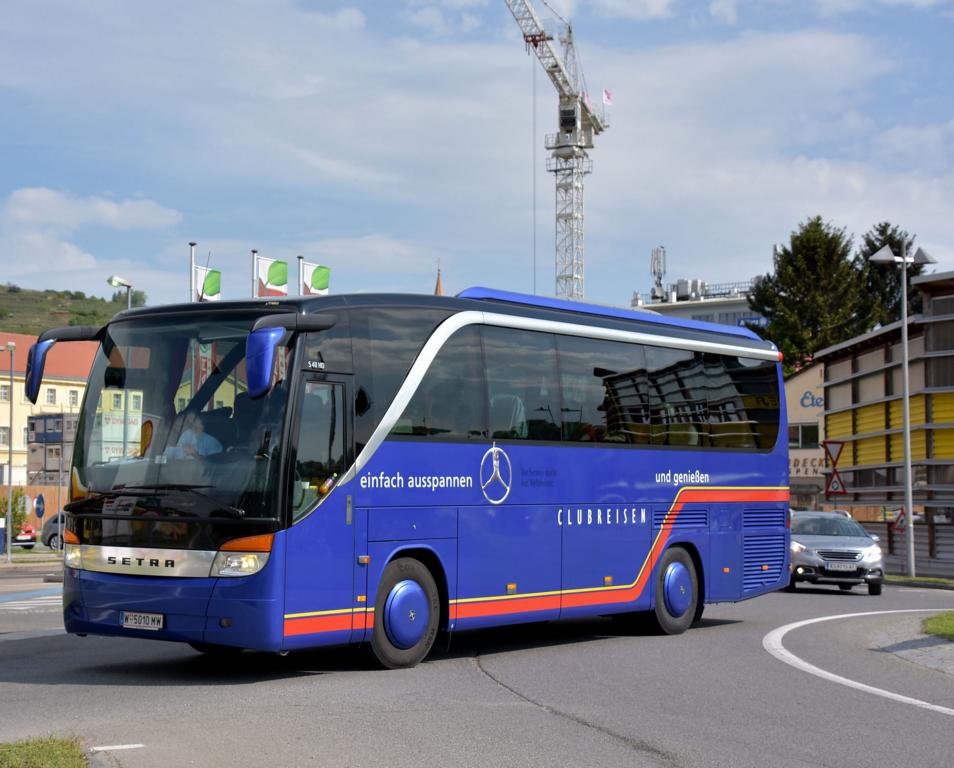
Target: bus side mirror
(36, 359)
(260, 358)
(265, 334)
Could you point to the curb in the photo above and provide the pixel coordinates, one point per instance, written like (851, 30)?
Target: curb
(921, 584)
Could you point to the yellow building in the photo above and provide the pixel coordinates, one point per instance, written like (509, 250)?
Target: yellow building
(863, 411)
(64, 382)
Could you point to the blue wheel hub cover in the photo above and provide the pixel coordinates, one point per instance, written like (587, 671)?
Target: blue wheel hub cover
(677, 589)
(406, 614)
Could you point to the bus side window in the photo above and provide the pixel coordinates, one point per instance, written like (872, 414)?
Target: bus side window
(603, 385)
(448, 402)
(522, 384)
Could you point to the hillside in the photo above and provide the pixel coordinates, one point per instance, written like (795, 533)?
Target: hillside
(25, 311)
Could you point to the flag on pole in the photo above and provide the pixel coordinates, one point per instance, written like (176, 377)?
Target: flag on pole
(607, 98)
(272, 277)
(314, 279)
(208, 284)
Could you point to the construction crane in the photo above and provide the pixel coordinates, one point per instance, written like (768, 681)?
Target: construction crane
(578, 123)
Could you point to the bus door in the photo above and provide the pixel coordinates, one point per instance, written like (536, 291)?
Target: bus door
(319, 593)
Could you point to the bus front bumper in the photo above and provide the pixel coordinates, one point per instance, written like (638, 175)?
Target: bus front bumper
(240, 612)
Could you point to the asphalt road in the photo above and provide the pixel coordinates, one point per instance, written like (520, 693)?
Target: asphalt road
(575, 693)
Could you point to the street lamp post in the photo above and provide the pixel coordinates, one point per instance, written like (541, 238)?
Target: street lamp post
(118, 282)
(886, 256)
(11, 346)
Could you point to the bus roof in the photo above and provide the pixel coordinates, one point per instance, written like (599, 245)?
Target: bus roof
(579, 307)
(477, 298)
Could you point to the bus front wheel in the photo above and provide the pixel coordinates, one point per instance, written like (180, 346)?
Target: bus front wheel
(677, 592)
(406, 614)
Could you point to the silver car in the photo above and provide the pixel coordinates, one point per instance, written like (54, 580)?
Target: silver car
(830, 548)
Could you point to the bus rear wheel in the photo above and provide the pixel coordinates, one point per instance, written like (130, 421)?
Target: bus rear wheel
(677, 592)
(407, 611)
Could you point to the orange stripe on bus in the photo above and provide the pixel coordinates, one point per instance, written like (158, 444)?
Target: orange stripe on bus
(494, 605)
(314, 624)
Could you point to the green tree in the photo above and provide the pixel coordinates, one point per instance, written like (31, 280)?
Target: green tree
(814, 298)
(19, 508)
(137, 299)
(883, 281)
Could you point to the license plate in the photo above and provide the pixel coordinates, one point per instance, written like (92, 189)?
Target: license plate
(134, 620)
(841, 566)
(24, 537)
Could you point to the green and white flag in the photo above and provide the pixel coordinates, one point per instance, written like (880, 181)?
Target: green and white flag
(271, 277)
(314, 279)
(208, 284)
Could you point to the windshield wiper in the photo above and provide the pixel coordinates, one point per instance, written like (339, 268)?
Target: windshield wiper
(193, 489)
(151, 490)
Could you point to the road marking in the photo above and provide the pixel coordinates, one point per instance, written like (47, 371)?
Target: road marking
(116, 747)
(772, 643)
(25, 595)
(48, 603)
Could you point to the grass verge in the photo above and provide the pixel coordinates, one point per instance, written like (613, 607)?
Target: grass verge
(941, 625)
(919, 579)
(46, 752)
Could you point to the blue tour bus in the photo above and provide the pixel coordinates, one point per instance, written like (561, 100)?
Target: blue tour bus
(285, 474)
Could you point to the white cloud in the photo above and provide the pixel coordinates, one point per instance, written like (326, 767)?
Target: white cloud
(404, 149)
(725, 11)
(837, 7)
(638, 10)
(38, 228)
(39, 207)
(720, 149)
(928, 148)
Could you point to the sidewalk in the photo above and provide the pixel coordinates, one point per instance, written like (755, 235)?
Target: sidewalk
(46, 564)
(908, 642)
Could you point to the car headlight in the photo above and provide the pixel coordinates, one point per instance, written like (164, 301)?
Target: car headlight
(872, 553)
(797, 548)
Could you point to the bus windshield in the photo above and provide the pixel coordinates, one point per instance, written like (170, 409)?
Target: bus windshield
(167, 416)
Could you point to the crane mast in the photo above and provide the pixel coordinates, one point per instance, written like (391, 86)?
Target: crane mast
(569, 162)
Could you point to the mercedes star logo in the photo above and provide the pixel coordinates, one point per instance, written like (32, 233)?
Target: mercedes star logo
(496, 476)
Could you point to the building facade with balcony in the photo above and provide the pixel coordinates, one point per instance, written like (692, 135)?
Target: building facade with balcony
(863, 420)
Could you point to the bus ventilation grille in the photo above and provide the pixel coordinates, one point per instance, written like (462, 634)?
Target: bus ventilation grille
(763, 560)
(763, 518)
(687, 518)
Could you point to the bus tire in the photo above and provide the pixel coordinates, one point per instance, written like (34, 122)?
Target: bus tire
(402, 636)
(677, 592)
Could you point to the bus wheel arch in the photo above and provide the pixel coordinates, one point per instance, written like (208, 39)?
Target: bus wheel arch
(700, 580)
(410, 608)
(678, 592)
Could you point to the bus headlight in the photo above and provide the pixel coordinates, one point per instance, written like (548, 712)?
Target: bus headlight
(242, 557)
(238, 563)
(72, 556)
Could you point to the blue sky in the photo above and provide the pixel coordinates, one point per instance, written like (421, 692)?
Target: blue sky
(381, 138)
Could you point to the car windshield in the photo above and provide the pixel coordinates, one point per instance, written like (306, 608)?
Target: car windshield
(167, 414)
(817, 525)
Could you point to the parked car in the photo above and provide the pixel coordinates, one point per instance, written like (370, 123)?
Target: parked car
(26, 538)
(50, 535)
(829, 548)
